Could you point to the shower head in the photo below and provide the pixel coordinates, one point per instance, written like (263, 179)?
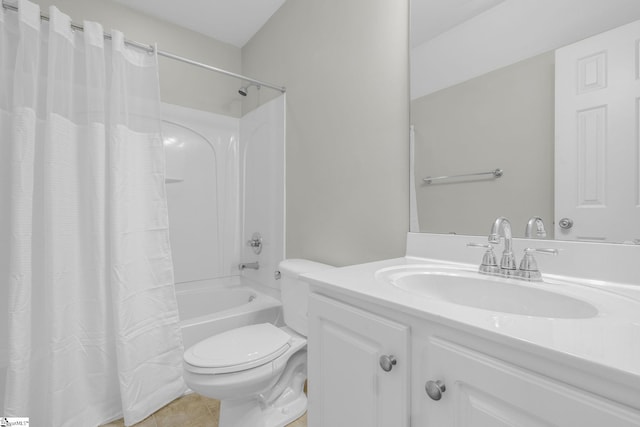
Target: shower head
(245, 89)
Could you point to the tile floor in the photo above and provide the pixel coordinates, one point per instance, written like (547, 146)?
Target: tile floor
(191, 410)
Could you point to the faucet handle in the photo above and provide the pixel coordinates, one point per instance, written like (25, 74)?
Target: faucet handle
(529, 266)
(541, 251)
(489, 263)
(479, 245)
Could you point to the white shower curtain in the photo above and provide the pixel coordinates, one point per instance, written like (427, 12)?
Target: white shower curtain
(92, 315)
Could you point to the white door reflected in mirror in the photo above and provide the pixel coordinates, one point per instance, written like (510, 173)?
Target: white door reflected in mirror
(596, 143)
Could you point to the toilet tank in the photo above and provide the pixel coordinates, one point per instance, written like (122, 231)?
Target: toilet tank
(295, 292)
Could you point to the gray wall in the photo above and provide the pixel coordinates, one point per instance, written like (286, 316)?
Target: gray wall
(503, 119)
(345, 66)
(180, 83)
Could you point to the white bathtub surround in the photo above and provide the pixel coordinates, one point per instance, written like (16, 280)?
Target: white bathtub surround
(262, 172)
(93, 323)
(225, 181)
(203, 168)
(576, 362)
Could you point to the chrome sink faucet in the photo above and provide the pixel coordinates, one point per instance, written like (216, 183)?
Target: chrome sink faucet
(528, 267)
(502, 227)
(535, 221)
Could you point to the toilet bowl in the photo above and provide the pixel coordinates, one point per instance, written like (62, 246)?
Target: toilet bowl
(258, 371)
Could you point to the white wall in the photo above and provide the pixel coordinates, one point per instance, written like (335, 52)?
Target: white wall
(345, 66)
(180, 83)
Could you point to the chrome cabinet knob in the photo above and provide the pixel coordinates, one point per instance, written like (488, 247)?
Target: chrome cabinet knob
(435, 389)
(387, 362)
(565, 223)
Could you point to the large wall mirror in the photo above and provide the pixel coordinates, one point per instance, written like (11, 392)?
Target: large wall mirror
(523, 108)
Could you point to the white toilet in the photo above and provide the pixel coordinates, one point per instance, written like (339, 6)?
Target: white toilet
(258, 371)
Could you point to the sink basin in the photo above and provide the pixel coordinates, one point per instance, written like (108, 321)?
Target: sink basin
(472, 289)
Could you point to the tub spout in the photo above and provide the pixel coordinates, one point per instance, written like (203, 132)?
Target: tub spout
(252, 265)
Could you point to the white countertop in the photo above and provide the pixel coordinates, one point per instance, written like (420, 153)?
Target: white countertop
(610, 340)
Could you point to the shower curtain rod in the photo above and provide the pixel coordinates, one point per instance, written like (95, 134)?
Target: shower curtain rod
(152, 49)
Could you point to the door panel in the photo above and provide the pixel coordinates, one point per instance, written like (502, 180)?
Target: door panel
(596, 158)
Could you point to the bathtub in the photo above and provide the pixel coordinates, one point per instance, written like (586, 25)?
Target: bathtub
(209, 307)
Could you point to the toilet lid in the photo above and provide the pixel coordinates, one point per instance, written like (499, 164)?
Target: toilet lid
(239, 349)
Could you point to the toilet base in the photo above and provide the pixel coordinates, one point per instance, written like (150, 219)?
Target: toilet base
(275, 407)
(249, 413)
(270, 395)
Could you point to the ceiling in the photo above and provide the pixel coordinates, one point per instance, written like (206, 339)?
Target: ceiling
(236, 21)
(430, 18)
(230, 21)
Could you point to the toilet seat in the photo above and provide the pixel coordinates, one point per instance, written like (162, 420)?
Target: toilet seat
(237, 350)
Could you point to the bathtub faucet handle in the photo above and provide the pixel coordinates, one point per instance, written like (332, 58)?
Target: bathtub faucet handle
(277, 275)
(255, 243)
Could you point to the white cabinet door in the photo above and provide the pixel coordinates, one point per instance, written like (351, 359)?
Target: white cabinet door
(597, 180)
(482, 391)
(347, 386)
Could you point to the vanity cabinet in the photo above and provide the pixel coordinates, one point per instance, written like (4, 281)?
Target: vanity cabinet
(358, 367)
(484, 391)
(473, 381)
